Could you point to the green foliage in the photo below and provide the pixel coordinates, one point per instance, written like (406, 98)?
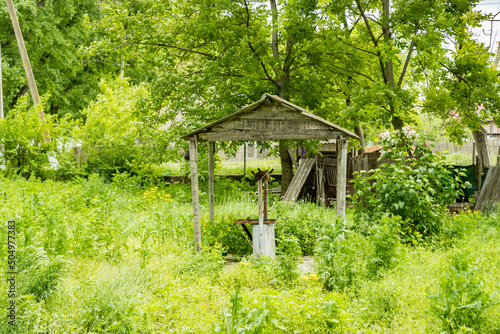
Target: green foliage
(384, 238)
(273, 313)
(53, 32)
(39, 275)
(460, 299)
(120, 133)
(287, 256)
(304, 222)
(223, 231)
(341, 259)
(414, 184)
(345, 258)
(25, 150)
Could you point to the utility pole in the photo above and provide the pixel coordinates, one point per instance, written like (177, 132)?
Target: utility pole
(27, 65)
(1, 84)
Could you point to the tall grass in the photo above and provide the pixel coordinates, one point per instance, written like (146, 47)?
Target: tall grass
(96, 257)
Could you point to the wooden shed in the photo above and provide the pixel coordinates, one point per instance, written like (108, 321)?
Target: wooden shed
(270, 118)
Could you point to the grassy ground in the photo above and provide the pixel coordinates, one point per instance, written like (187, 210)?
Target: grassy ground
(225, 168)
(108, 258)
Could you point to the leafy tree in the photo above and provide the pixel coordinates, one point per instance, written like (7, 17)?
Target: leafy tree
(400, 57)
(53, 32)
(211, 56)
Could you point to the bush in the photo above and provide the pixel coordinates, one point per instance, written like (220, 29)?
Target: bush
(24, 149)
(288, 257)
(121, 134)
(345, 258)
(342, 262)
(296, 311)
(460, 299)
(414, 185)
(384, 239)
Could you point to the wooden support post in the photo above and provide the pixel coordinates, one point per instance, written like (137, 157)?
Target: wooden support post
(245, 159)
(473, 153)
(320, 187)
(341, 175)
(27, 66)
(479, 172)
(211, 189)
(1, 85)
(261, 221)
(266, 205)
(193, 162)
(498, 157)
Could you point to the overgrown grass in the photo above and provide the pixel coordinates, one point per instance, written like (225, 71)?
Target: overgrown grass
(459, 159)
(221, 168)
(118, 258)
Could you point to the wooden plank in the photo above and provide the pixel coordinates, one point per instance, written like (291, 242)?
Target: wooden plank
(299, 179)
(272, 113)
(269, 125)
(490, 192)
(292, 157)
(193, 162)
(498, 157)
(211, 188)
(320, 186)
(254, 221)
(250, 135)
(341, 176)
(261, 221)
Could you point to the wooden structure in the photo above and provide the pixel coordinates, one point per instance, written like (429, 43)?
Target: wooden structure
(270, 118)
(489, 195)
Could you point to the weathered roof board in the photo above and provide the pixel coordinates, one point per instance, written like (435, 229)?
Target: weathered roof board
(264, 120)
(489, 197)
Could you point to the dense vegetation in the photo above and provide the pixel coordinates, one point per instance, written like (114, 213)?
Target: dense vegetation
(118, 258)
(104, 245)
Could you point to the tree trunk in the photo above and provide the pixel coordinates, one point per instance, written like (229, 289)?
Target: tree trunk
(482, 147)
(359, 131)
(281, 82)
(286, 167)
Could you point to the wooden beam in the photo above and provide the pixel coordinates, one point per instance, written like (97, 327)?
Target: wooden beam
(193, 162)
(245, 159)
(27, 67)
(211, 189)
(320, 187)
(341, 175)
(261, 135)
(498, 155)
(261, 221)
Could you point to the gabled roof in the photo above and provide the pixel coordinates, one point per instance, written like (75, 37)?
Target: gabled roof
(267, 99)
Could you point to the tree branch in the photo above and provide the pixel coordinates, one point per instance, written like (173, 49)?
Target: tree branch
(407, 61)
(178, 48)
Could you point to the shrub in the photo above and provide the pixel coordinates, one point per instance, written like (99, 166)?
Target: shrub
(296, 311)
(342, 262)
(384, 239)
(288, 257)
(121, 134)
(414, 185)
(23, 148)
(460, 299)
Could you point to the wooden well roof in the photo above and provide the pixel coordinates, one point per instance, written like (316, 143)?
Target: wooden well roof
(270, 118)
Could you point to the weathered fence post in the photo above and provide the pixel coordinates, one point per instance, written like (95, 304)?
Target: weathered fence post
(211, 189)
(193, 162)
(341, 175)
